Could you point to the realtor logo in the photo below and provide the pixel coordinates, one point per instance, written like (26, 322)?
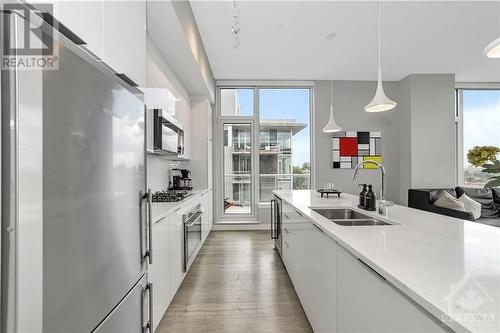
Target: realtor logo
(27, 44)
(468, 301)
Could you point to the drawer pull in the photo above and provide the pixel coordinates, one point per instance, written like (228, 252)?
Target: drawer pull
(287, 217)
(371, 269)
(286, 244)
(286, 230)
(299, 213)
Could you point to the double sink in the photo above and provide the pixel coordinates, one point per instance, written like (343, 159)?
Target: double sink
(349, 217)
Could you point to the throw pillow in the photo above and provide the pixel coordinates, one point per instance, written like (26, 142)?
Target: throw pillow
(484, 196)
(472, 206)
(446, 200)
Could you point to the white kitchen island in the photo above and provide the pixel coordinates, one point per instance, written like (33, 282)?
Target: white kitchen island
(423, 273)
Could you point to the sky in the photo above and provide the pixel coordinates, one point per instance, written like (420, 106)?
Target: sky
(481, 119)
(283, 104)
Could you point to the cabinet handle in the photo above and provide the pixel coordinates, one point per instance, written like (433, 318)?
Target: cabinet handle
(128, 80)
(287, 217)
(148, 326)
(377, 274)
(274, 233)
(286, 230)
(318, 228)
(286, 244)
(299, 213)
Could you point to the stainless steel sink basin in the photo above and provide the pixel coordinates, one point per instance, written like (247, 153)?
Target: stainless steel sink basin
(341, 214)
(348, 217)
(353, 223)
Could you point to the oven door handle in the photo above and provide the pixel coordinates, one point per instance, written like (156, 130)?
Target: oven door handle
(196, 218)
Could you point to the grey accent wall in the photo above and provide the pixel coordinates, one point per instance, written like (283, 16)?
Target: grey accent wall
(349, 100)
(418, 136)
(428, 132)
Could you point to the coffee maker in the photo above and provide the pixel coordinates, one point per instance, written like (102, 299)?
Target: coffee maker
(175, 179)
(185, 181)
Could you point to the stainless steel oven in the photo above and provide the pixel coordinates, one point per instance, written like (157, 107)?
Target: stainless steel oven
(168, 134)
(276, 222)
(192, 235)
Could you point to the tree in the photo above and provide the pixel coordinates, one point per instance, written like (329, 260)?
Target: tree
(494, 169)
(306, 166)
(479, 155)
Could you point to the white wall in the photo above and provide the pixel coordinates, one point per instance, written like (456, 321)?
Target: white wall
(418, 136)
(160, 75)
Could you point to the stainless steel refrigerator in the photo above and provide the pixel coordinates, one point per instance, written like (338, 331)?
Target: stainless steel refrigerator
(74, 210)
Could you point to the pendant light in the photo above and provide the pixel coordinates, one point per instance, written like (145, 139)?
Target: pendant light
(380, 101)
(332, 126)
(493, 50)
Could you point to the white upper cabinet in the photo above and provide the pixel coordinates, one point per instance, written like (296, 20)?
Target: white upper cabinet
(114, 31)
(85, 19)
(124, 38)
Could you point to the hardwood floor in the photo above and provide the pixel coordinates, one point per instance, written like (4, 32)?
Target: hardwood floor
(237, 283)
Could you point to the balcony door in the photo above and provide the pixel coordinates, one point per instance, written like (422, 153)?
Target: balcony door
(238, 169)
(262, 144)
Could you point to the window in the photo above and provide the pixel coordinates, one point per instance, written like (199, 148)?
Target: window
(236, 102)
(284, 154)
(263, 146)
(480, 113)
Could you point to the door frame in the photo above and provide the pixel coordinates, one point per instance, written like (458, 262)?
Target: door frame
(218, 123)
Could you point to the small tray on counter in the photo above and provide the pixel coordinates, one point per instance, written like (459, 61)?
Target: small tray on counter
(329, 191)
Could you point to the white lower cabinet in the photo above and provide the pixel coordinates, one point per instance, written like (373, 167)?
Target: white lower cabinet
(176, 252)
(339, 292)
(368, 303)
(321, 298)
(205, 222)
(313, 263)
(159, 272)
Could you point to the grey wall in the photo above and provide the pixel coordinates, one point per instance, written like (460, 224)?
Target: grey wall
(418, 136)
(349, 100)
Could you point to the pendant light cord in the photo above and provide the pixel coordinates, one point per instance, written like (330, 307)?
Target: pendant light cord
(331, 76)
(378, 27)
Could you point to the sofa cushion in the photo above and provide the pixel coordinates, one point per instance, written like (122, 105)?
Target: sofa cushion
(446, 200)
(484, 196)
(436, 193)
(492, 222)
(496, 196)
(471, 205)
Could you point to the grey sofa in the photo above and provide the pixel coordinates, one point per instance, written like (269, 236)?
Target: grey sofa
(488, 198)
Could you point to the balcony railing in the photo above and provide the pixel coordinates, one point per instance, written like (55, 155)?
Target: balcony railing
(241, 195)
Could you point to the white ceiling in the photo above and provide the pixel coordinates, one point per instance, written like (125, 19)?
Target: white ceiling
(285, 40)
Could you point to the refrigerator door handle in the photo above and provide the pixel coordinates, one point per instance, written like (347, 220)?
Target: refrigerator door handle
(148, 326)
(149, 226)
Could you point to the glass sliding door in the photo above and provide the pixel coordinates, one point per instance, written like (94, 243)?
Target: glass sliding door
(237, 157)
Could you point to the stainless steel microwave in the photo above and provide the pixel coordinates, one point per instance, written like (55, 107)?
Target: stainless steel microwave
(168, 134)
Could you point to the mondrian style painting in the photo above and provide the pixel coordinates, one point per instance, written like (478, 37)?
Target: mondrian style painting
(350, 148)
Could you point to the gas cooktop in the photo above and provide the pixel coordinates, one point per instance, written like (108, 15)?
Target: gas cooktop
(170, 196)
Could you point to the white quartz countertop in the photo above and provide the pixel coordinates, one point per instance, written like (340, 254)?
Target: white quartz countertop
(448, 266)
(162, 209)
